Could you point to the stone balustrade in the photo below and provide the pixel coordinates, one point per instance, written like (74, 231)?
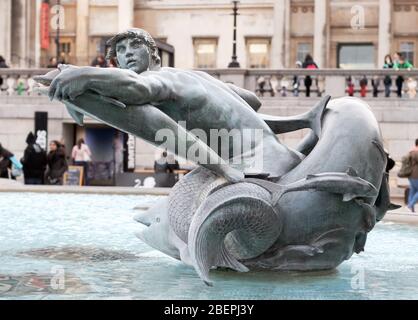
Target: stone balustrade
(265, 82)
(19, 82)
(336, 82)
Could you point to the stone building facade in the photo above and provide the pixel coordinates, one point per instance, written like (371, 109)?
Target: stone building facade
(271, 33)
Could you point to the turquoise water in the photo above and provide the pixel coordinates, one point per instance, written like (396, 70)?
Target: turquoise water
(89, 241)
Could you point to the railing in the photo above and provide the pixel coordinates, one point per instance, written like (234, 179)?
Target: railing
(19, 82)
(337, 82)
(269, 83)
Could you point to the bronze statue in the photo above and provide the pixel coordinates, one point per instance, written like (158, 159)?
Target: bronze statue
(303, 209)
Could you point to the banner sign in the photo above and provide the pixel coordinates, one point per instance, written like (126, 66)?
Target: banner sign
(45, 25)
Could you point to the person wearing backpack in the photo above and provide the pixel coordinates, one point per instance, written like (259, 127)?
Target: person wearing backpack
(413, 178)
(34, 162)
(309, 64)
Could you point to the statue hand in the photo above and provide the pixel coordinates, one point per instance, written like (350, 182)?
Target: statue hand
(69, 84)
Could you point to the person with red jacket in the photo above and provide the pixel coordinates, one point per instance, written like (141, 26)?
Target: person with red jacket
(309, 64)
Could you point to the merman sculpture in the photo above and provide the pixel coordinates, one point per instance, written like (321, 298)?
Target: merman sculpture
(304, 209)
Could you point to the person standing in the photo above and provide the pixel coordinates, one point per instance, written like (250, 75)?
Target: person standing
(81, 155)
(5, 163)
(3, 65)
(309, 64)
(34, 162)
(53, 63)
(413, 179)
(400, 63)
(56, 164)
(164, 169)
(387, 81)
(296, 81)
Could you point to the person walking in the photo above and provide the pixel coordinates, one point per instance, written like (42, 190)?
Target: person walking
(309, 64)
(81, 156)
(413, 179)
(56, 164)
(387, 81)
(34, 162)
(400, 63)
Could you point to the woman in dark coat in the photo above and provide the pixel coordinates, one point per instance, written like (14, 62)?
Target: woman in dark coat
(5, 163)
(34, 161)
(57, 164)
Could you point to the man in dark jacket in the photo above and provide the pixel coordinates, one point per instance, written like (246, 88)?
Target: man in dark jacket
(5, 163)
(34, 162)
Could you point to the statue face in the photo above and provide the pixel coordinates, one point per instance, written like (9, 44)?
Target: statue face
(133, 54)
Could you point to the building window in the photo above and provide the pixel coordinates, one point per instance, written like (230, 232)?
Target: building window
(205, 51)
(258, 52)
(407, 50)
(356, 56)
(303, 49)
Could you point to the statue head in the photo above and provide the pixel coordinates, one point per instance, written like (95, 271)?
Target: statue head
(134, 49)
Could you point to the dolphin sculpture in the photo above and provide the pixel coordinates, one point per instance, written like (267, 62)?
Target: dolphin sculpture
(312, 217)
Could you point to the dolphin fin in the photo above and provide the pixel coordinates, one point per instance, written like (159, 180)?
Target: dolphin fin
(77, 116)
(311, 119)
(393, 206)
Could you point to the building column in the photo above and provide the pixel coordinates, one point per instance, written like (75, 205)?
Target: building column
(19, 22)
(320, 32)
(385, 14)
(82, 34)
(126, 14)
(5, 27)
(37, 44)
(278, 40)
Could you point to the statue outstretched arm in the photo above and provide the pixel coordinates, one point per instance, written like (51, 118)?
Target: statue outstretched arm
(123, 85)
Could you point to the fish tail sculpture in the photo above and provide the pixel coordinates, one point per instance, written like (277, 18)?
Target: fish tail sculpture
(236, 222)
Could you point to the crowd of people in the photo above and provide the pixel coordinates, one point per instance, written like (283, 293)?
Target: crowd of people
(40, 167)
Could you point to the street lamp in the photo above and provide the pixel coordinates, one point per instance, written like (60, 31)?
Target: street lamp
(234, 63)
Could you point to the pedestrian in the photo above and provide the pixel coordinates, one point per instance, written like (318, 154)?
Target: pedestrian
(34, 162)
(413, 179)
(5, 163)
(164, 171)
(350, 86)
(56, 164)
(10, 167)
(296, 81)
(99, 62)
(53, 63)
(81, 156)
(387, 81)
(3, 65)
(309, 64)
(400, 63)
(363, 86)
